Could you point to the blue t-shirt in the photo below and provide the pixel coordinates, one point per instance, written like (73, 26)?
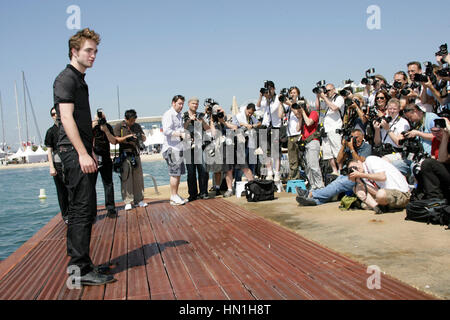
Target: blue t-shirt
(426, 127)
(364, 151)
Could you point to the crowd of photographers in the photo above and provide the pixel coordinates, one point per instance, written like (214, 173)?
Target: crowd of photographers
(385, 145)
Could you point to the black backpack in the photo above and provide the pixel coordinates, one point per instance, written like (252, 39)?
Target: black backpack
(429, 211)
(260, 190)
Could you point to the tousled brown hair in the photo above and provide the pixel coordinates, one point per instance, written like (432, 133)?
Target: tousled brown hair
(78, 39)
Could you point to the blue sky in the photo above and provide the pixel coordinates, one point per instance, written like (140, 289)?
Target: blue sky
(153, 50)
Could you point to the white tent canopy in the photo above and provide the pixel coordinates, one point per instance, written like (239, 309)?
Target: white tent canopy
(155, 137)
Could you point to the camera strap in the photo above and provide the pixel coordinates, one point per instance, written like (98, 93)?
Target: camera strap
(393, 124)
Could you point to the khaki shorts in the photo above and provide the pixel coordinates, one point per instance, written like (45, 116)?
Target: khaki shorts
(397, 199)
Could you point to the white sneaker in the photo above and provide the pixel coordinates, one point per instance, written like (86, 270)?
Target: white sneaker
(128, 207)
(142, 204)
(277, 176)
(176, 201)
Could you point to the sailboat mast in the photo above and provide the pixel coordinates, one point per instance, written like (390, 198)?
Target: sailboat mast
(3, 122)
(118, 102)
(17, 109)
(25, 106)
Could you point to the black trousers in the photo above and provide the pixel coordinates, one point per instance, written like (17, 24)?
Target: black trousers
(82, 210)
(203, 178)
(434, 179)
(61, 191)
(106, 171)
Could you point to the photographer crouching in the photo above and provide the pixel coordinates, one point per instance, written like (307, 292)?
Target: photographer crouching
(353, 148)
(131, 138)
(103, 136)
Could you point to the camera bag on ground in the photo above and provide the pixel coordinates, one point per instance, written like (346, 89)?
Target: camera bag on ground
(260, 190)
(429, 211)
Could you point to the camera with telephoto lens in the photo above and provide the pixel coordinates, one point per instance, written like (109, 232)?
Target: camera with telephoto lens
(320, 87)
(346, 92)
(284, 95)
(370, 78)
(349, 102)
(388, 119)
(428, 74)
(346, 133)
(101, 121)
(138, 141)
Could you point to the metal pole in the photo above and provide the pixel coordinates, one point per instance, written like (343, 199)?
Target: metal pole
(25, 106)
(17, 109)
(118, 102)
(3, 122)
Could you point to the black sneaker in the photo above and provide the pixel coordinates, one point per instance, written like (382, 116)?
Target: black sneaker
(96, 279)
(307, 202)
(377, 210)
(112, 213)
(204, 196)
(302, 192)
(192, 198)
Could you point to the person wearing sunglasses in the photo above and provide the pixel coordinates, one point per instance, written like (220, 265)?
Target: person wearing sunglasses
(56, 171)
(379, 185)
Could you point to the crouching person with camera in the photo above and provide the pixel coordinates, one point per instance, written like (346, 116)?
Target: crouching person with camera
(353, 148)
(130, 136)
(379, 185)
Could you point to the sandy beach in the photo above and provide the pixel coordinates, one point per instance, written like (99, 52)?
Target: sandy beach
(144, 158)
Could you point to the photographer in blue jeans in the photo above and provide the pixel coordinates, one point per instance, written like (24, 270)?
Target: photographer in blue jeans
(355, 149)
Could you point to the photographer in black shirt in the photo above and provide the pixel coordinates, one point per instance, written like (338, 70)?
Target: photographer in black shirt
(56, 171)
(103, 136)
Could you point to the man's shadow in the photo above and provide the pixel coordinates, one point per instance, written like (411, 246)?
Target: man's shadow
(139, 257)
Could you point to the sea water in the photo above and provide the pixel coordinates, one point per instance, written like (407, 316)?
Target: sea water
(22, 213)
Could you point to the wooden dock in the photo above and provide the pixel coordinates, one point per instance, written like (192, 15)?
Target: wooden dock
(207, 249)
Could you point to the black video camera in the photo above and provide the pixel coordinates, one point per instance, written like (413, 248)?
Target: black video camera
(209, 104)
(320, 87)
(370, 78)
(443, 50)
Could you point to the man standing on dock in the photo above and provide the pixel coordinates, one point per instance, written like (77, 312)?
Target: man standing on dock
(75, 146)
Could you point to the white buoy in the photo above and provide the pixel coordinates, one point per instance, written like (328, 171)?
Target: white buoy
(42, 194)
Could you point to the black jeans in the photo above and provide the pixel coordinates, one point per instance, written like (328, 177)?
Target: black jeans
(434, 179)
(61, 191)
(82, 210)
(106, 171)
(203, 178)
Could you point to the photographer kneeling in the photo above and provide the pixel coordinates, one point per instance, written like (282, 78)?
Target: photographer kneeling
(379, 183)
(353, 148)
(130, 136)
